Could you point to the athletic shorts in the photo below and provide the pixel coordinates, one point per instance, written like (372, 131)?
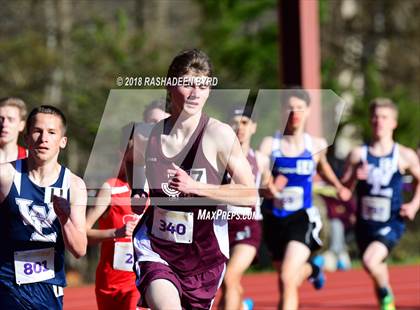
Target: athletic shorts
(34, 296)
(122, 300)
(389, 234)
(244, 232)
(196, 291)
(302, 226)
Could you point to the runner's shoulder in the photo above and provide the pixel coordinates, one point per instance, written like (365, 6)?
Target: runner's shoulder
(319, 144)
(266, 145)
(217, 129)
(408, 156)
(6, 172)
(355, 155)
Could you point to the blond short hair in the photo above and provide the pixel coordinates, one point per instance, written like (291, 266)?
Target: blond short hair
(17, 103)
(383, 103)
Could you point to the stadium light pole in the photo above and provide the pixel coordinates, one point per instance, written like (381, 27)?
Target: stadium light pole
(300, 57)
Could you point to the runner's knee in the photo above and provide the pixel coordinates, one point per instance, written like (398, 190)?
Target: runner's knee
(232, 279)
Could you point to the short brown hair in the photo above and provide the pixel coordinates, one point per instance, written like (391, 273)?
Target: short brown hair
(383, 103)
(17, 103)
(193, 60)
(46, 109)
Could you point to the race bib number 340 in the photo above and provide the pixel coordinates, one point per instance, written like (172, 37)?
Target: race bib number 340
(173, 226)
(34, 265)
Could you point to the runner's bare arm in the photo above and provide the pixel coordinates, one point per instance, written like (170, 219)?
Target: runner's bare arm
(349, 178)
(242, 192)
(412, 164)
(266, 186)
(266, 146)
(72, 216)
(6, 179)
(102, 203)
(328, 174)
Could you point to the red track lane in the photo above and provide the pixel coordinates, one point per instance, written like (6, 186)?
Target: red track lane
(343, 291)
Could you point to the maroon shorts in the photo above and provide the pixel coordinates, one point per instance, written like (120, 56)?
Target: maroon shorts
(244, 232)
(196, 291)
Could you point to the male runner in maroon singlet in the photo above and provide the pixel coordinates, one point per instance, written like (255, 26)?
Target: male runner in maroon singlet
(12, 122)
(180, 257)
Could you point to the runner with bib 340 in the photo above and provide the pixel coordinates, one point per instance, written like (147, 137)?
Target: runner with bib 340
(180, 259)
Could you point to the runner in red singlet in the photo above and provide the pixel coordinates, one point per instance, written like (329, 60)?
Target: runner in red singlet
(12, 122)
(115, 280)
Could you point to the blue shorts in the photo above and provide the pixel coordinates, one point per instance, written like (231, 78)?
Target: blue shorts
(34, 296)
(388, 234)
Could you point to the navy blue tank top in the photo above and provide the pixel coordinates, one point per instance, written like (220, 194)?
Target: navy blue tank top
(380, 196)
(30, 232)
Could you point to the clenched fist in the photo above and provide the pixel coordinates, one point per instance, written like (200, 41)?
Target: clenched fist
(127, 230)
(61, 208)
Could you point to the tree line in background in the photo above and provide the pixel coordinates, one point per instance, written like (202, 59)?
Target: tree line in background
(69, 53)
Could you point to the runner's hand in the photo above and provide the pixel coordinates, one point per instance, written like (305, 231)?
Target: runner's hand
(408, 211)
(61, 208)
(362, 171)
(126, 231)
(344, 194)
(181, 181)
(280, 182)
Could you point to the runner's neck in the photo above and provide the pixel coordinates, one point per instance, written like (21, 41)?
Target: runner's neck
(382, 146)
(8, 152)
(45, 174)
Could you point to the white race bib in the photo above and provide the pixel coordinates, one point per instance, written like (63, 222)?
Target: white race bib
(290, 199)
(173, 226)
(243, 211)
(123, 256)
(34, 265)
(376, 208)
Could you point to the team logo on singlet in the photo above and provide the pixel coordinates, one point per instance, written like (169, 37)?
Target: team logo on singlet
(169, 191)
(381, 176)
(39, 217)
(197, 174)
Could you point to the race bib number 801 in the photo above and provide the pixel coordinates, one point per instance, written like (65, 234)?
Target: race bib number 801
(173, 226)
(34, 265)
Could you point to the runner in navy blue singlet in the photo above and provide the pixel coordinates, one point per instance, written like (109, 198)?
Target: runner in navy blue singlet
(378, 168)
(42, 212)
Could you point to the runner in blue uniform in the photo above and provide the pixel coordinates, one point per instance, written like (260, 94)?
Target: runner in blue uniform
(42, 212)
(291, 222)
(378, 167)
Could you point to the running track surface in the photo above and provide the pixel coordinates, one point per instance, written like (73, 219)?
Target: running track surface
(343, 290)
